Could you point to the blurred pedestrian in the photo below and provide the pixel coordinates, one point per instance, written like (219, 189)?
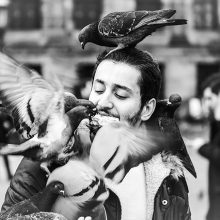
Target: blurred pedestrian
(211, 150)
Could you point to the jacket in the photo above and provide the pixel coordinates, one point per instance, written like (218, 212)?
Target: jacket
(168, 201)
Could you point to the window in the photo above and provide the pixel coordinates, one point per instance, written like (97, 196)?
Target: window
(86, 12)
(24, 14)
(206, 14)
(149, 5)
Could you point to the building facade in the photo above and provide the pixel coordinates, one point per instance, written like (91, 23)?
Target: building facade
(43, 35)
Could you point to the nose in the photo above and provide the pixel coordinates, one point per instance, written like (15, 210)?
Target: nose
(105, 101)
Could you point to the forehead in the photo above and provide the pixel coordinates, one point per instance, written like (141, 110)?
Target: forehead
(123, 74)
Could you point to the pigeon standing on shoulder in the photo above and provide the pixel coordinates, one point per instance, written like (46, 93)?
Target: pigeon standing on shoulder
(126, 29)
(43, 113)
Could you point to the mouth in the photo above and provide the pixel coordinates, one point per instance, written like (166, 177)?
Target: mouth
(103, 118)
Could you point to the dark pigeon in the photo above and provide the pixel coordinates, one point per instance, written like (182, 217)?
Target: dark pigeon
(38, 205)
(127, 29)
(163, 119)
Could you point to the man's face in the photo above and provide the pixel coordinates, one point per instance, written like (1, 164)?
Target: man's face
(116, 92)
(209, 102)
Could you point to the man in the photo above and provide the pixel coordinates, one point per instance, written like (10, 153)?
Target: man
(126, 84)
(211, 150)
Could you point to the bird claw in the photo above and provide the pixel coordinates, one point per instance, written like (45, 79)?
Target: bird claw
(63, 158)
(44, 166)
(70, 146)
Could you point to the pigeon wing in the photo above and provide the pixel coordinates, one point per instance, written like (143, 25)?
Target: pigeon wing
(119, 24)
(26, 94)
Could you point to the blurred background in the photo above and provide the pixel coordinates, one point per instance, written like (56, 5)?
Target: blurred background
(42, 34)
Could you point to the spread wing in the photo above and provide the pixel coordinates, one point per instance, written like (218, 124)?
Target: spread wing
(27, 95)
(124, 148)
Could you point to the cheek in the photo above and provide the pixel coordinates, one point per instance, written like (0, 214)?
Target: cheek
(128, 110)
(93, 97)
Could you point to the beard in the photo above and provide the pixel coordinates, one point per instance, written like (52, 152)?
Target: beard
(135, 118)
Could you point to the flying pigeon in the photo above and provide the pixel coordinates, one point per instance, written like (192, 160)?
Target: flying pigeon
(44, 114)
(117, 147)
(37, 207)
(126, 29)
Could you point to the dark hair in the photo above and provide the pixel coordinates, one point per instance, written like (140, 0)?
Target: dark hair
(213, 82)
(150, 81)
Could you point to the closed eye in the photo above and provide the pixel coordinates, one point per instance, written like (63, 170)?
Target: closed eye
(99, 91)
(120, 96)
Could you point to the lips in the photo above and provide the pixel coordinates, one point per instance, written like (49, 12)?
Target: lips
(103, 119)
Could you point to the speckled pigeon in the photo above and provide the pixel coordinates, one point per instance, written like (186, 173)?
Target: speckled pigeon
(126, 29)
(43, 112)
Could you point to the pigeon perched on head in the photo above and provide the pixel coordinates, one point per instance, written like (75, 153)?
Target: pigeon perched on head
(126, 29)
(43, 113)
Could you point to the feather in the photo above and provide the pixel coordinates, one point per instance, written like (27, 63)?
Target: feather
(38, 109)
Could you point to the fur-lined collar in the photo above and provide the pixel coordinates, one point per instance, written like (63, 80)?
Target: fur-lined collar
(156, 170)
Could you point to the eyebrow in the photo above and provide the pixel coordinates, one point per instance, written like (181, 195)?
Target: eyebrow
(118, 86)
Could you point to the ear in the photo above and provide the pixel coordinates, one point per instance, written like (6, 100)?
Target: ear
(148, 109)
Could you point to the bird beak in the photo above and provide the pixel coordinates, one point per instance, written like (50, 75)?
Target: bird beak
(82, 45)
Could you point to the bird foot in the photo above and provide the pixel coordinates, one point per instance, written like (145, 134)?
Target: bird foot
(70, 146)
(63, 158)
(119, 47)
(44, 166)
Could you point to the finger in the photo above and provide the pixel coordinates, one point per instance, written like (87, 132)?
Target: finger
(88, 218)
(81, 218)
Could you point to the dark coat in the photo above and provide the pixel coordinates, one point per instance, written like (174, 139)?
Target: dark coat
(211, 151)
